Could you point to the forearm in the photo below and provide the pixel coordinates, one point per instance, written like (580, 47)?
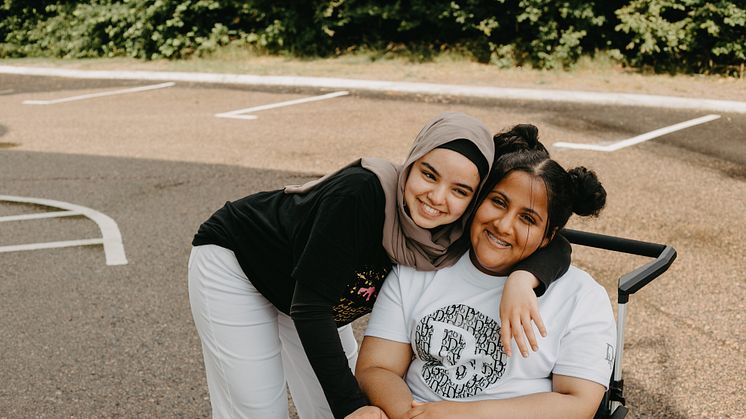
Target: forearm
(327, 358)
(550, 405)
(386, 390)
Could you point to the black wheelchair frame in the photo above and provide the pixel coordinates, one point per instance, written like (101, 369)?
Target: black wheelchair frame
(613, 405)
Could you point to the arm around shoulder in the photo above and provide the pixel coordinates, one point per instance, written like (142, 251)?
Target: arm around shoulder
(548, 263)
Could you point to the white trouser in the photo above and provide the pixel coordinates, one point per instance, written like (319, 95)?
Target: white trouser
(250, 348)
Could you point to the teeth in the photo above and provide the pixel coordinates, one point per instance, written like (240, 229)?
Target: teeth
(497, 241)
(430, 210)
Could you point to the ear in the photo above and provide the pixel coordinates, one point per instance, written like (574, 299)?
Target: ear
(548, 238)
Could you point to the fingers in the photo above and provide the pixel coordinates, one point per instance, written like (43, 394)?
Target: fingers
(365, 412)
(520, 329)
(506, 336)
(539, 322)
(518, 336)
(529, 331)
(414, 411)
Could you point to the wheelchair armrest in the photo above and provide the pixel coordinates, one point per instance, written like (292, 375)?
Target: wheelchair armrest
(633, 281)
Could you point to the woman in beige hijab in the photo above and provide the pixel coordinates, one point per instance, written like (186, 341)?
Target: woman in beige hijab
(276, 278)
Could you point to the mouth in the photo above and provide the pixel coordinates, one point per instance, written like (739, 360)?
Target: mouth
(429, 211)
(500, 244)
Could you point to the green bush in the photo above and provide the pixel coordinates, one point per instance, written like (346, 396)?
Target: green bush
(684, 35)
(137, 28)
(667, 35)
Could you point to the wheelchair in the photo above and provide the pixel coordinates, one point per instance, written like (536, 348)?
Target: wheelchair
(613, 404)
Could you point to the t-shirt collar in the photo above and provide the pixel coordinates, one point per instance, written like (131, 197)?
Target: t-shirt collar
(473, 275)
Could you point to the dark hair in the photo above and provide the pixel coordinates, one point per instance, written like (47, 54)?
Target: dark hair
(575, 191)
(521, 137)
(469, 150)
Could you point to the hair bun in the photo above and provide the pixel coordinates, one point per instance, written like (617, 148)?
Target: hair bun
(589, 195)
(522, 137)
(529, 133)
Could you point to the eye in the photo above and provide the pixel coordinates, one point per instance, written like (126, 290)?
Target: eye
(428, 175)
(528, 219)
(461, 192)
(498, 201)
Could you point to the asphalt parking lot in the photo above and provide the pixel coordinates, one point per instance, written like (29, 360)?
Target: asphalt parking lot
(85, 339)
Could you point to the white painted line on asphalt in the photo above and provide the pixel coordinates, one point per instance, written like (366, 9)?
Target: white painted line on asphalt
(640, 138)
(599, 98)
(50, 245)
(237, 114)
(100, 94)
(227, 115)
(111, 237)
(41, 215)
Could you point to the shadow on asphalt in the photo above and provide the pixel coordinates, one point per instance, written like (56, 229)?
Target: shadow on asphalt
(34, 84)
(95, 340)
(646, 398)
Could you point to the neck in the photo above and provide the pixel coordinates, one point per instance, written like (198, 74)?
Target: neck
(475, 262)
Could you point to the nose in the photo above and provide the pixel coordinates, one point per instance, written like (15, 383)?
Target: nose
(437, 196)
(503, 223)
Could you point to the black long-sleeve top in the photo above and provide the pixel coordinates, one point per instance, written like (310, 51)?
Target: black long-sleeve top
(318, 257)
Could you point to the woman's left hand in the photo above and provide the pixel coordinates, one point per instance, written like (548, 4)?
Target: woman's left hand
(434, 410)
(518, 308)
(367, 412)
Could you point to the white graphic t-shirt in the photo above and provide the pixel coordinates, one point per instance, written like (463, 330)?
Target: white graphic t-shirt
(451, 319)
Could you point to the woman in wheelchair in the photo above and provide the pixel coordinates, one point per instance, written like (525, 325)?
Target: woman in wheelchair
(432, 347)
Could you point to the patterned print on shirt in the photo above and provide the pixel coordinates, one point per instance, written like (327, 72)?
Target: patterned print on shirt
(461, 351)
(360, 295)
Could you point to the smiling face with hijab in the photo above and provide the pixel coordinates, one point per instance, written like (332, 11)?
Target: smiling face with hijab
(415, 233)
(421, 240)
(440, 186)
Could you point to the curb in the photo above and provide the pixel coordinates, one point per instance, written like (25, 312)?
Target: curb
(376, 86)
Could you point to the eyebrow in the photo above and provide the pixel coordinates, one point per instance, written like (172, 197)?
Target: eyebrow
(431, 168)
(527, 209)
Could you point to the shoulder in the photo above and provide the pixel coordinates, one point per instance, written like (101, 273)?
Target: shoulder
(355, 181)
(577, 279)
(577, 284)
(591, 298)
(356, 175)
(408, 279)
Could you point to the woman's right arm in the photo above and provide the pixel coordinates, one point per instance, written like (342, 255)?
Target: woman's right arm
(570, 397)
(380, 371)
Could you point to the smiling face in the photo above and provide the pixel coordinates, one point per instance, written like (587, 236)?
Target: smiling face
(509, 224)
(439, 187)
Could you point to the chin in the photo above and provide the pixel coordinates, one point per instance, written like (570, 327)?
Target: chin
(428, 224)
(490, 265)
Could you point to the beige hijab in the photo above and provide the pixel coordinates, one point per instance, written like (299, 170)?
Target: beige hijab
(405, 242)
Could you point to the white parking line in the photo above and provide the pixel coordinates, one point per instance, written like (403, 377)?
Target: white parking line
(50, 245)
(640, 138)
(50, 214)
(239, 114)
(100, 94)
(111, 238)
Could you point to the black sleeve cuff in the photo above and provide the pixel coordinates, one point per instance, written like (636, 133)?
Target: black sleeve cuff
(548, 263)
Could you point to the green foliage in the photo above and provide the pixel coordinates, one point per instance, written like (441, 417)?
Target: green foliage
(667, 35)
(554, 31)
(681, 35)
